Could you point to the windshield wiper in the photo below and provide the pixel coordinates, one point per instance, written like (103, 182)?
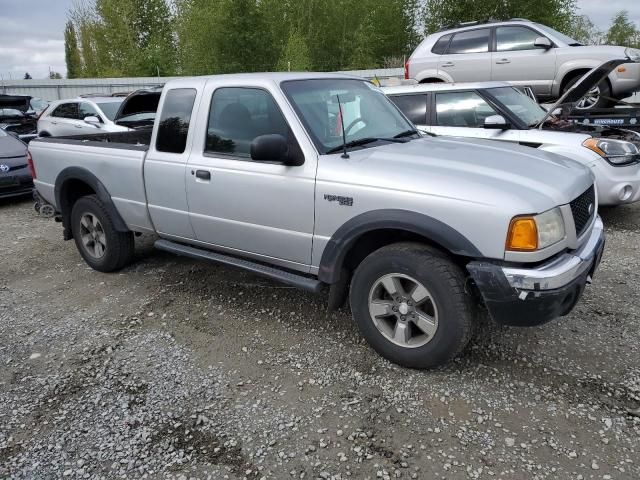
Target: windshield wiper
(363, 141)
(406, 133)
(576, 44)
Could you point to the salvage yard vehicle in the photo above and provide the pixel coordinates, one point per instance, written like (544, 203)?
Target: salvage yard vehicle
(80, 116)
(523, 53)
(318, 180)
(15, 176)
(19, 114)
(501, 112)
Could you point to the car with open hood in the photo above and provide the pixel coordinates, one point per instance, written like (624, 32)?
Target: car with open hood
(19, 114)
(499, 111)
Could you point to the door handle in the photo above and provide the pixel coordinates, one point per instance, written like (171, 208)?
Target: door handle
(448, 64)
(503, 61)
(203, 174)
(78, 126)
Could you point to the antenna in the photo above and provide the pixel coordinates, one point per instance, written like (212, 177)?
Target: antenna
(344, 136)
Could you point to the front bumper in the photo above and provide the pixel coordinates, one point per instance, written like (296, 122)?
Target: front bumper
(522, 296)
(15, 185)
(617, 185)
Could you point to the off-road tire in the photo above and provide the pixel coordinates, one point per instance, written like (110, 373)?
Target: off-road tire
(456, 310)
(120, 246)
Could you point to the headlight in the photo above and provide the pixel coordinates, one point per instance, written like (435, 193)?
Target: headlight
(617, 152)
(633, 54)
(527, 233)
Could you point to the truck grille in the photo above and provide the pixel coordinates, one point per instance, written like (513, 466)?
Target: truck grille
(583, 209)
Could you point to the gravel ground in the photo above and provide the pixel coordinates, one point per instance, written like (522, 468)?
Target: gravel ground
(178, 369)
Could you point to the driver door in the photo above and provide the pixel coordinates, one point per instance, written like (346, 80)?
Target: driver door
(260, 209)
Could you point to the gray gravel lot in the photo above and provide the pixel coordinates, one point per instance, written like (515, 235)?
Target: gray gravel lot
(177, 369)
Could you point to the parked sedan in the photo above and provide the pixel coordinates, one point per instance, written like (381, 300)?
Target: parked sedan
(15, 178)
(81, 116)
(500, 111)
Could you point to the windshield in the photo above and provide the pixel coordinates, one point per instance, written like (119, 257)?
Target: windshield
(560, 36)
(38, 104)
(366, 111)
(110, 108)
(521, 105)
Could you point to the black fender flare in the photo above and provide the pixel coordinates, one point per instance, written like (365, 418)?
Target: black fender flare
(344, 238)
(85, 176)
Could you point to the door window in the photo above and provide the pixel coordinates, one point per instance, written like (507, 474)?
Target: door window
(87, 110)
(462, 109)
(441, 45)
(175, 120)
(66, 110)
(413, 106)
(470, 41)
(237, 116)
(515, 38)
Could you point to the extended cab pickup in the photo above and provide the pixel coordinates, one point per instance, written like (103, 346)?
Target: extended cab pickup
(318, 180)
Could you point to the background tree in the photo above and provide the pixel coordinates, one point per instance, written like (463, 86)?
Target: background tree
(623, 31)
(557, 14)
(295, 56)
(54, 75)
(72, 52)
(583, 30)
(27, 76)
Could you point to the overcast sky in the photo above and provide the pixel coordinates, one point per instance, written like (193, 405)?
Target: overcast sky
(31, 32)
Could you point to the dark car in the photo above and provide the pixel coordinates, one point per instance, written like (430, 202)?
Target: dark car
(15, 177)
(19, 114)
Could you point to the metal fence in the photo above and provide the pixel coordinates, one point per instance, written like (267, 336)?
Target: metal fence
(66, 88)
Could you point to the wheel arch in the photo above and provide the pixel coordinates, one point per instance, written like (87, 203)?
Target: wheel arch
(73, 183)
(367, 232)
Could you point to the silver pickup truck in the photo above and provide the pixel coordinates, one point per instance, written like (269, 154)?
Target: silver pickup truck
(319, 181)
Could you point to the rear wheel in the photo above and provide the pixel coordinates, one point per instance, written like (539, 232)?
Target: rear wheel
(103, 247)
(594, 97)
(410, 305)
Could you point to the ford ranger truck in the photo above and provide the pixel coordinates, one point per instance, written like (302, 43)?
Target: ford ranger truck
(319, 181)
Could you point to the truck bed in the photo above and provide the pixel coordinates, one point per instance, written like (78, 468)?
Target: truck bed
(116, 159)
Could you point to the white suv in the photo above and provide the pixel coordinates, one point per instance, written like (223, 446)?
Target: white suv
(80, 116)
(523, 53)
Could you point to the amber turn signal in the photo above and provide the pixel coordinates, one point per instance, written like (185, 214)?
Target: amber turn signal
(522, 235)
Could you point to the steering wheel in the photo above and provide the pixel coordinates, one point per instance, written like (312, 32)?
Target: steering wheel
(353, 124)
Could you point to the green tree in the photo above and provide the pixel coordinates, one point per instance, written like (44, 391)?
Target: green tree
(554, 13)
(583, 30)
(27, 76)
(295, 56)
(54, 75)
(623, 31)
(72, 52)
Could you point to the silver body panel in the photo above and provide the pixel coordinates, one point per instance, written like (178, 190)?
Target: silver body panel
(279, 214)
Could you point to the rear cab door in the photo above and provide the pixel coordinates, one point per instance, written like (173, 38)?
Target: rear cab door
(165, 166)
(467, 57)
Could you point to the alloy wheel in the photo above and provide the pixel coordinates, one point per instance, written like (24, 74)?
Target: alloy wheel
(403, 310)
(590, 99)
(92, 235)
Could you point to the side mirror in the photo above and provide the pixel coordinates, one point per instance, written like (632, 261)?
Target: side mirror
(273, 148)
(92, 120)
(542, 42)
(496, 122)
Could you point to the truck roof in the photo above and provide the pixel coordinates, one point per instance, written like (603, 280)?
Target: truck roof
(275, 77)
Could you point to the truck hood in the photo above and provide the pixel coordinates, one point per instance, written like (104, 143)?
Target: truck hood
(479, 171)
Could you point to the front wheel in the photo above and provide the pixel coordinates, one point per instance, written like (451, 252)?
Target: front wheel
(596, 97)
(410, 304)
(103, 247)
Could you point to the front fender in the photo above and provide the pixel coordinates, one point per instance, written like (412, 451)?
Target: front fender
(336, 250)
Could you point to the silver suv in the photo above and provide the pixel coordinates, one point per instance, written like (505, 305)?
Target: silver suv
(523, 53)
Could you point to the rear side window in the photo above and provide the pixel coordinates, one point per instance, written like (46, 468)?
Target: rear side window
(441, 45)
(413, 106)
(239, 115)
(462, 109)
(515, 38)
(175, 119)
(66, 110)
(471, 41)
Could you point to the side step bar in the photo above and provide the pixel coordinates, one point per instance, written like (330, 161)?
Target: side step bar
(299, 281)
